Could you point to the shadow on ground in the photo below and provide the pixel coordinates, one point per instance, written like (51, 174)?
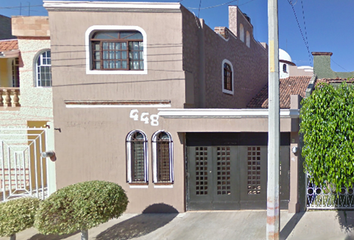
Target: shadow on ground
(51, 236)
(151, 220)
(289, 227)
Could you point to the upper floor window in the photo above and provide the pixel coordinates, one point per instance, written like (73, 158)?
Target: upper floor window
(248, 39)
(227, 76)
(117, 50)
(15, 73)
(44, 69)
(285, 68)
(162, 157)
(242, 33)
(137, 164)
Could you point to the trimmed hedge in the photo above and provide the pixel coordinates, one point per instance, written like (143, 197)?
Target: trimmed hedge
(80, 206)
(17, 215)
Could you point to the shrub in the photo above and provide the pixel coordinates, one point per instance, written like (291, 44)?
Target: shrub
(80, 206)
(327, 120)
(17, 215)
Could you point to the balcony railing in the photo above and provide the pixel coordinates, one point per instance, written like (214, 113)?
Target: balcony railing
(9, 97)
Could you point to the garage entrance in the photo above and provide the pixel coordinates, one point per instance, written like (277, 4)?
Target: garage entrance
(230, 177)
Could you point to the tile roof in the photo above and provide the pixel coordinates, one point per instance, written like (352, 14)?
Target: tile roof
(8, 45)
(288, 86)
(333, 80)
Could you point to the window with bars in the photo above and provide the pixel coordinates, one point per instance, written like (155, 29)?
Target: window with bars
(137, 164)
(162, 157)
(117, 50)
(44, 69)
(15, 73)
(227, 77)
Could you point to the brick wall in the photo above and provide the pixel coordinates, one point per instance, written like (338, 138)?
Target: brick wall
(204, 51)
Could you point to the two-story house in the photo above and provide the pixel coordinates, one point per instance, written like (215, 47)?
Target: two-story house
(146, 95)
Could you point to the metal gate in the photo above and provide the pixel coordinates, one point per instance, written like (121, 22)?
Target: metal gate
(23, 172)
(232, 177)
(326, 197)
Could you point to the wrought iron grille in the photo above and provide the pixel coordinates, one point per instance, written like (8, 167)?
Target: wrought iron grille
(253, 170)
(326, 197)
(201, 171)
(223, 171)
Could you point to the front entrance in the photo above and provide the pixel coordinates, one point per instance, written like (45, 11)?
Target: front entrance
(232, 175)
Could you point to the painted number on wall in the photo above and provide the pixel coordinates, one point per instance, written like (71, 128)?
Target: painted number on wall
(145, 117)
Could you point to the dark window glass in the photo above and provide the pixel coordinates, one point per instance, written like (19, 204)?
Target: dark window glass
(117, 50)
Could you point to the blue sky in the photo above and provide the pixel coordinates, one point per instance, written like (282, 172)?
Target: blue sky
(327, 25)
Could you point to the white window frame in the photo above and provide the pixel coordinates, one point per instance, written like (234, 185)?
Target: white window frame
(154, 157)
(232, 78)
(39, 56)
(129, 157)
(93, 29)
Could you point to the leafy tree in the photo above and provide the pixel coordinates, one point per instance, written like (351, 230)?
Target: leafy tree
(80, 206)
(327, 124)
(17, 215)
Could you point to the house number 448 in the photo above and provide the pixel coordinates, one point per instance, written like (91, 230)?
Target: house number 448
(145, 117)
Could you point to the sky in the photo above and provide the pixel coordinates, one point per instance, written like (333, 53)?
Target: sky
(305, 26)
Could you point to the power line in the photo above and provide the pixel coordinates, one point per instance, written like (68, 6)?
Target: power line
(302, 35)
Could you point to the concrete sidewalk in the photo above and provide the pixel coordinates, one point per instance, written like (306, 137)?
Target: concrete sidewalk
(313, 225)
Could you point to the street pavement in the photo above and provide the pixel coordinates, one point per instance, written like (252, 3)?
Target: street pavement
(216, 225)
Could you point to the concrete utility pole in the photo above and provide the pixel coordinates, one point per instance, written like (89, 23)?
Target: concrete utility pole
(273, 216)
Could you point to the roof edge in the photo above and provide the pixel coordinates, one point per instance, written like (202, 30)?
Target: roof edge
(111, 6)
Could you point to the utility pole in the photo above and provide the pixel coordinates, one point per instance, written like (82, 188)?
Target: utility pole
(273, 213)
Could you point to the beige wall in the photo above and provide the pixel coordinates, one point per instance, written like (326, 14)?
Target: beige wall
(91, 144)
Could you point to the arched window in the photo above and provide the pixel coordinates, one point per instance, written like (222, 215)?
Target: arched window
(227, 77)
(284, 68)
(248, 39)
(242, 33)
(44, 69)
(137, 163)
(162, 146)
(117, 50)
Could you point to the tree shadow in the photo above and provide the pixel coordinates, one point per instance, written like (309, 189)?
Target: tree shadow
(290, 225)
(346, 220)
(39, 236)
(153, 218)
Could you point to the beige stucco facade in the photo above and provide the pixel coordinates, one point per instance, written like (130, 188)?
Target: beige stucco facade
(95, 110)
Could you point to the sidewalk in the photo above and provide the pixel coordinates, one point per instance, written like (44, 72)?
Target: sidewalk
(313, 225)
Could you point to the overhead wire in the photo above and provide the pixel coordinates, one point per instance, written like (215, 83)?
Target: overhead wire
(301, 32)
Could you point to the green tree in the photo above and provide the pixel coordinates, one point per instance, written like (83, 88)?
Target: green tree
(80, 206)
(327, 125)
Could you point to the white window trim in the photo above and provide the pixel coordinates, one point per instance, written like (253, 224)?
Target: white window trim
(222, 77)
(94, 28)
(129, 157)
(38, 55)
(154, 157)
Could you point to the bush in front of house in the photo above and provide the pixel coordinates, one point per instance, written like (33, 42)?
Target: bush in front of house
(17, 215)
(80, 206)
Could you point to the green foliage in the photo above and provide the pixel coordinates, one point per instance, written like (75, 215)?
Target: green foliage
(327, 123)
(17, 215)
(80, 206)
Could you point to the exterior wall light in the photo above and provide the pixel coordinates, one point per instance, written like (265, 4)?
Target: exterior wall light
(295, 150)
(50, 154)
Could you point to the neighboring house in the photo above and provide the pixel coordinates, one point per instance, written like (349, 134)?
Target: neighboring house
(147, 96)
(289, 69)
(5, 28)
(25, 104)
